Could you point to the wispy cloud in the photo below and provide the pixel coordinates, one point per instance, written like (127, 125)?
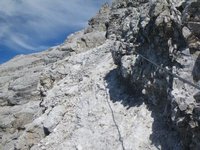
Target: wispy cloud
(36, 24)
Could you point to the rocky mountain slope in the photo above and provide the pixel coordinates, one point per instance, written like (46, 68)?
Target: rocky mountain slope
(128, 81)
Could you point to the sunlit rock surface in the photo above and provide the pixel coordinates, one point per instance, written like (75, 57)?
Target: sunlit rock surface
(101, 89)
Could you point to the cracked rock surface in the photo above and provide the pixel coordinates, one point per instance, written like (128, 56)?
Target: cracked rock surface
(98, 91)
(156, 42)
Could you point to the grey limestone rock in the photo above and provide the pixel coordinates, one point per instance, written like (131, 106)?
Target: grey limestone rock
(102, 88)
(163, 42)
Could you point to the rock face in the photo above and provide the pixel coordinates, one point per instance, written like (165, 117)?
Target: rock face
(110, 86)
(156, 42)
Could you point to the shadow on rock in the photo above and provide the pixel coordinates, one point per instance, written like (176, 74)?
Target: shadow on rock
(163, 136)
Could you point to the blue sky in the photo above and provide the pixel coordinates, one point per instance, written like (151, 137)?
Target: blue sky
(28, 26)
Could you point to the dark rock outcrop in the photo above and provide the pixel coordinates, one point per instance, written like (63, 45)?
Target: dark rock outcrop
(156, 42)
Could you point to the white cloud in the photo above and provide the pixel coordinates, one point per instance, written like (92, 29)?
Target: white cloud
(27, 24)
